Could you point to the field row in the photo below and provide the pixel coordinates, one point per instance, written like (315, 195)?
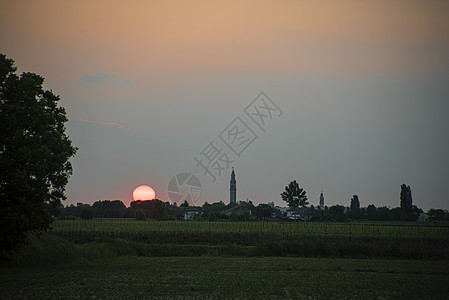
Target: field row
(232, 278)
(272, 229)
(264, 238)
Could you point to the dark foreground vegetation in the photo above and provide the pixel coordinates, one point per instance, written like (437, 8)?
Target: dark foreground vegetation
(119, 258)
(335, 240)
(160, 210)
(113, 270)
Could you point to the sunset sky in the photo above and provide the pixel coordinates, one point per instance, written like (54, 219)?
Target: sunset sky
(363, 87)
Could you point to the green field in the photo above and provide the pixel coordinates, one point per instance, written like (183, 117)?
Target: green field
(272, 238)
(216, 260)
(230, 277)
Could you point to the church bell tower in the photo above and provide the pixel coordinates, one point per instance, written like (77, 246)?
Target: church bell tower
(233, 188)
(322, 201)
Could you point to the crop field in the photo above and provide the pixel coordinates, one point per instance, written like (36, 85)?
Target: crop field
(231, 278)
(140, 229)
(126, 259)
(271, 238)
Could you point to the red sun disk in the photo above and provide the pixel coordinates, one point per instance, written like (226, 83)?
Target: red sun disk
(144, 192)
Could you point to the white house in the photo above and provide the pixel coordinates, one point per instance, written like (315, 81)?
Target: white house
(191, 212)
(299, 213)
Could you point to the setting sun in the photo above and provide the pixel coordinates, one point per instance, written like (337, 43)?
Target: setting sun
(144, 192)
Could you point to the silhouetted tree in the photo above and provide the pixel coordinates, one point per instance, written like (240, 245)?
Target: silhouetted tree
(415, 213)
(263, 211)
(158, 210)
(109, 209)
(140, 215)
(406, 202)
(383, 213)
(216, 207)
(336, 213)
(436, 214)
(371, 212)
(294, 195)
(395, 214)
(355, 207)
(34, 154)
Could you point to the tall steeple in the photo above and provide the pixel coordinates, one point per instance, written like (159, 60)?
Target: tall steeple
(322, 201)
(233, 188)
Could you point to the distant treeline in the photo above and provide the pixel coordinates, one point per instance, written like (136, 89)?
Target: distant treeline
(152, 209)
(383, 213)
(159, 210)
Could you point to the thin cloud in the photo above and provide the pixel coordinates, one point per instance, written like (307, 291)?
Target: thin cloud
(112, 123)
(99, 122)
(106, 79)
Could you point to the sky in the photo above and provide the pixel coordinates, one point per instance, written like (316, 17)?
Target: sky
(346, 97)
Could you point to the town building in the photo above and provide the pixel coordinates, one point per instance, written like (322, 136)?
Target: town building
(299, 213)
(321, 201)
(191, 212)
(237, 209)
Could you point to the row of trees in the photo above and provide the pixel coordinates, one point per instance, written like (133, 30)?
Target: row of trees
(159, 210)
(295, 196)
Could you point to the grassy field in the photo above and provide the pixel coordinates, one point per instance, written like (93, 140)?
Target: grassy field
(272, 238)
(231, 277)
(216, 260)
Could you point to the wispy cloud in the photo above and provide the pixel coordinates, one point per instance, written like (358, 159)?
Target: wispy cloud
(100, 123)
(106, 78)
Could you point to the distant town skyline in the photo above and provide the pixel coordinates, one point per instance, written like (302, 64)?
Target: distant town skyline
(355, 95)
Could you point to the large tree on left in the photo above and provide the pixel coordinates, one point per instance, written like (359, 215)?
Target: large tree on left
(34, 155)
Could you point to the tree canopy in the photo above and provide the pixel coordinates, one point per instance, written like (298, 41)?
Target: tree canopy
(294, 195)
(34, 154)
(406, 202)
(355, 207)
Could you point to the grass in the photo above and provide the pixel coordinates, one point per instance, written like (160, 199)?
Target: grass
(306, 264)
(48, 249)
(230, 277)
(266, 239)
